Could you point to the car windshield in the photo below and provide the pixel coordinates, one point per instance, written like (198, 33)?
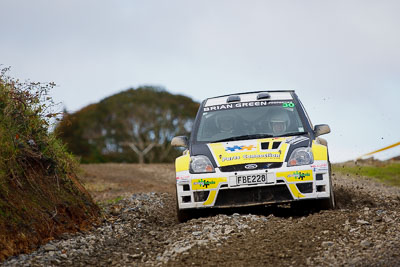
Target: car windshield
(250, 121)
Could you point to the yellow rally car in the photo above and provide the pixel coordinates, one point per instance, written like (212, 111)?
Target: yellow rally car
(252, 149)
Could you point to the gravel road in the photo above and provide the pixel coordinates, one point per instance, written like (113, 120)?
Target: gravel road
(141, 230)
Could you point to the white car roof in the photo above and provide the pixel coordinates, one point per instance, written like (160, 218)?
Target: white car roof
(248, 97)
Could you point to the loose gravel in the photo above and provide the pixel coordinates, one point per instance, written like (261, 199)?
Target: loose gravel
(141, 230)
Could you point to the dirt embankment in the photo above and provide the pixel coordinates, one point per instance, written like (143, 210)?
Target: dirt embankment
(39, 207)
(141, 230)
(40, 197)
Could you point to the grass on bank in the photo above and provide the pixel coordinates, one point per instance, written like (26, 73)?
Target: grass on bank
(113, 201)
(40, 196)
(386, 173)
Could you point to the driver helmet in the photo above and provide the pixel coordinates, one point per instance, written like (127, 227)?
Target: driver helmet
(279, 122)
(225, 122)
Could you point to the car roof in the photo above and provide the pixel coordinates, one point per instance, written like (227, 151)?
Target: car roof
(251, 96)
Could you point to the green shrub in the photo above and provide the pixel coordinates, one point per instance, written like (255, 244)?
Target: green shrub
(40, 196)
(26, 113)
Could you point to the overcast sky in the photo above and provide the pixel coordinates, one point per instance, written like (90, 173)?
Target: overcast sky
(341, 57)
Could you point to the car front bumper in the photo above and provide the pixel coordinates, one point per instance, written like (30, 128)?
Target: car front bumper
(284, 184)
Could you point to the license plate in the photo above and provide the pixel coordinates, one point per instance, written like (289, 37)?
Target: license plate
(252, 179)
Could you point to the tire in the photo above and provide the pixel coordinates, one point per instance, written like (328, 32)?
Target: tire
(183, 215)
(303, 207)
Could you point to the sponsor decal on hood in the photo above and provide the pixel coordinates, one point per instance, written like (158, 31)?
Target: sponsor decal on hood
(249, 151)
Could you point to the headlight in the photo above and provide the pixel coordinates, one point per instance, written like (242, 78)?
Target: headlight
(301, 156)
(200, 164)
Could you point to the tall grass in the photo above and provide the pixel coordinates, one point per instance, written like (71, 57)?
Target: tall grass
(40, 196)
(26, 112)
(386, 173)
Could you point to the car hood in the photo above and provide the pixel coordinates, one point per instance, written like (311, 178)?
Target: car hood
(250, 151)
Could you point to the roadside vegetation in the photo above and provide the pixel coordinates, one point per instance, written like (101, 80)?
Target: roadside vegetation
(386, 172)
(40, 196)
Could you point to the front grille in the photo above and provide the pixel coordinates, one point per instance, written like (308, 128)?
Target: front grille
(253, 195)
(260, 166)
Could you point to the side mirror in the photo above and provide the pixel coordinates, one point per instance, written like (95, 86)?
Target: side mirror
(180, 141)
(321, 129)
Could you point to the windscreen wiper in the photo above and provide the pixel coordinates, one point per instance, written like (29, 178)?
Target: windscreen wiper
(291, 134)
(243, 137)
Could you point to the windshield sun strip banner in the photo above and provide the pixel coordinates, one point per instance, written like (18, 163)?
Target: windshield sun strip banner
(283, 103)
(251, 96)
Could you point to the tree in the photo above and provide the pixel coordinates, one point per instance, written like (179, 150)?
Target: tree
(135, 125)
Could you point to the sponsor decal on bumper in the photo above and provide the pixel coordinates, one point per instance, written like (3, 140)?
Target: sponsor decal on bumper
(296, 176)
(207, 183)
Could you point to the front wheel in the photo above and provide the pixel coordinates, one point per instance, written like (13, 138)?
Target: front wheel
(183, 215)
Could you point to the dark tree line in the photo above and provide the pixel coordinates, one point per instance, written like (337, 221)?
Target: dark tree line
(135, 125)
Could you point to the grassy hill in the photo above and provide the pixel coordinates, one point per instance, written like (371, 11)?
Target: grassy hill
(40, 196)
(387, 172)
